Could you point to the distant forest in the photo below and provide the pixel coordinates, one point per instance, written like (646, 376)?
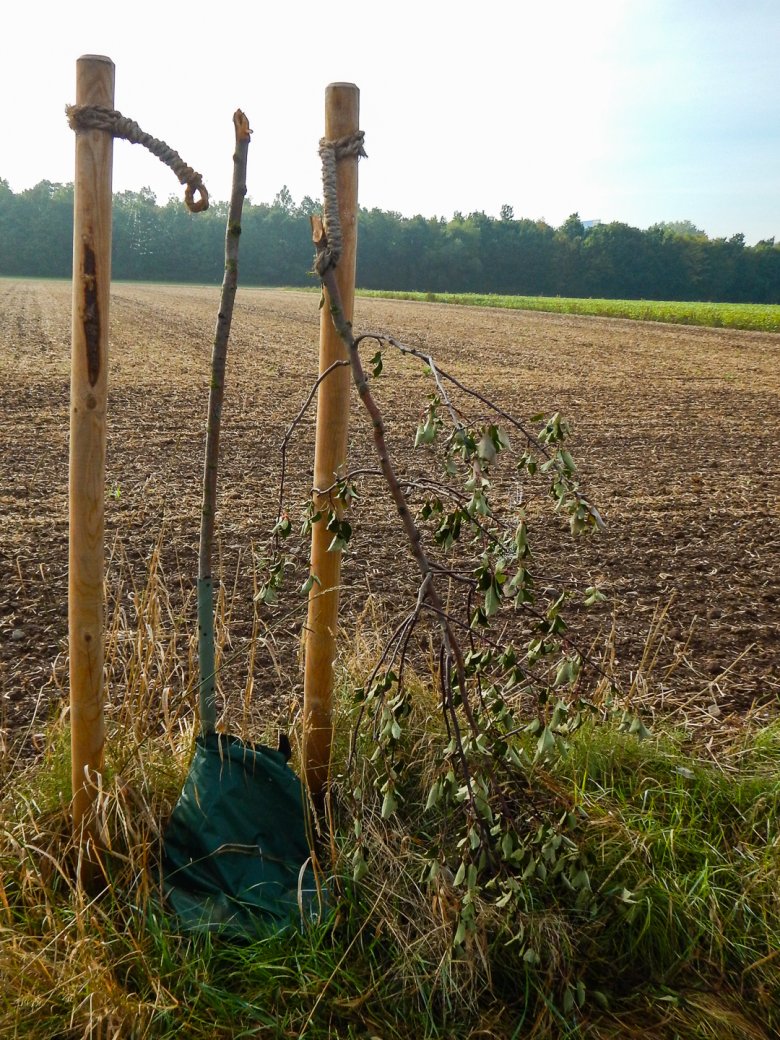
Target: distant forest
(474, 253)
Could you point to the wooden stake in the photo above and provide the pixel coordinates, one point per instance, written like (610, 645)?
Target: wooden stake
(342, 109)
(89, 362)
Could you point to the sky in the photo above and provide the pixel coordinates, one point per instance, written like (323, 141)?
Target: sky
(631, 110)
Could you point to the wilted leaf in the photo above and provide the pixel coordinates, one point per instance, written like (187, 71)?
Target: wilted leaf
(492, 600)
(434, 795)
(359, 866)
(486, 449)
(389, 805)
(309, 584)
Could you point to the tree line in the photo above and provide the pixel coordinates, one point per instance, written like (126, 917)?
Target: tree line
(474, 253)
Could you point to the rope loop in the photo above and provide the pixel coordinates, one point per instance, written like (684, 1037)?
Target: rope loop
(97, 117)
(331, 153)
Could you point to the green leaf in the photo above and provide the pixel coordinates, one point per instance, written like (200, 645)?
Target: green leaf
(486, 449)
(546, 742)
(359, 866)
(343, 534)
(563, 675)
(434, 795)
(581, 880)
(426, 434)
(521, 540)
(503, 438)
(309, 519)
(389, 805)
(528, 463)
(478, 504)
(638, 729)
(593, 595)
(492, 600)
(309, 584)
(567, 671)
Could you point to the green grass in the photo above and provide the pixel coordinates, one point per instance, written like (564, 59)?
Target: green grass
(754, 317)
(684, 855)
(679, 942)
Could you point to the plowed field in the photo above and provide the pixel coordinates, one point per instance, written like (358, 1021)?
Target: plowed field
(675, 429)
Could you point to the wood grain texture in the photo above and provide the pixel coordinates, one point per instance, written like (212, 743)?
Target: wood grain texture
(89, 383)
(342, 111)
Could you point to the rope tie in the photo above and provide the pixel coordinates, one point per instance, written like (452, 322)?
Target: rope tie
(331, 153)
(96, 117)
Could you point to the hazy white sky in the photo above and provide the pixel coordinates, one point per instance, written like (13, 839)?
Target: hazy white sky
(632, 110)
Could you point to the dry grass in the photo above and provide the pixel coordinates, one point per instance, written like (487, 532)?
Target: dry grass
(685, 822)
(690, 851)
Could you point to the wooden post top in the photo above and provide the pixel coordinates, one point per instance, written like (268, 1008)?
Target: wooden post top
(96, 57)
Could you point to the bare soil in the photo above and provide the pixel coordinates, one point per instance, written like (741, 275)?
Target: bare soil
(675, 430)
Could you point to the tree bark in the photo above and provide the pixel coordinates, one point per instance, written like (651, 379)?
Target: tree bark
(206, 654)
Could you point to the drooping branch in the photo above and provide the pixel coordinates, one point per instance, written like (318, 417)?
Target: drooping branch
(440, 376)
(452, 646)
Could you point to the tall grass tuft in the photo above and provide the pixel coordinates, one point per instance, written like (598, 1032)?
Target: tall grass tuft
(682, 851)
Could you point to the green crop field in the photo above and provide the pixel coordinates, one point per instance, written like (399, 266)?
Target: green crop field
(751, 316)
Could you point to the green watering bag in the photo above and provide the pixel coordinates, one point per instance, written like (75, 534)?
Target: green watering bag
(236, 857)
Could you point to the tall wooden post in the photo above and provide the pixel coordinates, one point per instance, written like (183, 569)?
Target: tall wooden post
(342, 109)
(89, 362)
